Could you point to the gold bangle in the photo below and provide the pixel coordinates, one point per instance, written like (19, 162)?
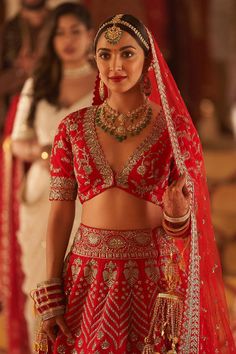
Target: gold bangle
(177, 220)
(175, 232)
(175, 229)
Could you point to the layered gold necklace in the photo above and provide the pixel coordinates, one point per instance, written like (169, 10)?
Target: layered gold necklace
(123, 125)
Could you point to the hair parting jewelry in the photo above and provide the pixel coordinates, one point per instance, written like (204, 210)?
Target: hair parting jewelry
(114, 33)
(120, 125)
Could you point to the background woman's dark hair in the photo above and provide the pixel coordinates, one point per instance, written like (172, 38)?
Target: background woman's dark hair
(48, 73)
(134, 22)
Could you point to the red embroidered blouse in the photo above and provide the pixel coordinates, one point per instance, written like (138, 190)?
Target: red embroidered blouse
(79, 166)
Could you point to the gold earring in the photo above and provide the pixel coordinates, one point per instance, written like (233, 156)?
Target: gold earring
(146, 85)
(101, 90)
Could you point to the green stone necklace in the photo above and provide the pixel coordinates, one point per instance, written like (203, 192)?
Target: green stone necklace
(120, 125)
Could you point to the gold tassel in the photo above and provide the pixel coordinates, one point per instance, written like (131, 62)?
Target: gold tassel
(148, 347)
(167, 314)
(41, 342)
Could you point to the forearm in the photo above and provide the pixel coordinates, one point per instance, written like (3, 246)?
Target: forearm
(60, 224)
(29, 150)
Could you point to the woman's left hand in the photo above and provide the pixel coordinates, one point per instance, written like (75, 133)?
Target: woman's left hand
(176, 198)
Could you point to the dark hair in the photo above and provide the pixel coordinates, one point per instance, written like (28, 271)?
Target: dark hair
(134, 22)
(48, 73)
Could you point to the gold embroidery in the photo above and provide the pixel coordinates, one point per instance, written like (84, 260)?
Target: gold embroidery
(75, 268)
(90, 271)
(189, 341)
(152, 270)
(131, 272)
(90, 137)
(158, 129)
(110, 274)
(115, 244)
(62, 188)
(112, 300)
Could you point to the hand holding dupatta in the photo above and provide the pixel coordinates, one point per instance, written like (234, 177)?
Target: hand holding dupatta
(176, 199)
(51, 326)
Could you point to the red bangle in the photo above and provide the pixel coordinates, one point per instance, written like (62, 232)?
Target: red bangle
(49, 299)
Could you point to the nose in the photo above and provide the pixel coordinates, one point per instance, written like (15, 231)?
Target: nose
(115, 63)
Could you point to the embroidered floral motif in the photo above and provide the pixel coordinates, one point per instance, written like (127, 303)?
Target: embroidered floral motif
(110, 274)
(62, 188)
(112, 300)
(94, 147)
(93, 242)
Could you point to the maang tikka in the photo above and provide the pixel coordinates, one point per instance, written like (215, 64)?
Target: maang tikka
(113, 34)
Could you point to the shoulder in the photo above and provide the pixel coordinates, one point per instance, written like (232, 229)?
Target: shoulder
(74, 119)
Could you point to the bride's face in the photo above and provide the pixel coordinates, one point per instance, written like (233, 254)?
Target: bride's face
(120, 65)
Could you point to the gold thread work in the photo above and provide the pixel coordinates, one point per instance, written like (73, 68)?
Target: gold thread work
(114, 33)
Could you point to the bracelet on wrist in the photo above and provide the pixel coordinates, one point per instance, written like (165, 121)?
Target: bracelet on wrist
(181, 231)
(49, 299)
(177, 220)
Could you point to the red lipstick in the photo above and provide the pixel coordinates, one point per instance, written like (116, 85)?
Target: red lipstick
(117, 78)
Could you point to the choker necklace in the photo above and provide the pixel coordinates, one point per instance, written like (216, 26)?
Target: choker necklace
(78, 72)
(123, 125)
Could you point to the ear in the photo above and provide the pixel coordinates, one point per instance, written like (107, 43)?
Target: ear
(147, 63)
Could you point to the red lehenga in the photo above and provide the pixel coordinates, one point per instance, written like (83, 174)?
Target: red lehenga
(112, 277)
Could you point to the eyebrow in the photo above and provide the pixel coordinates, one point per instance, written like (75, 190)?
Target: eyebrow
(122, 48)
(75, 25)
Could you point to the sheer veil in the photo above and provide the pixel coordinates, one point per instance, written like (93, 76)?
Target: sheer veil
(205, 325)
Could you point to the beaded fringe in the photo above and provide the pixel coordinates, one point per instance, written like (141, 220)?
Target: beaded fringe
(167, 316)
(40, 345)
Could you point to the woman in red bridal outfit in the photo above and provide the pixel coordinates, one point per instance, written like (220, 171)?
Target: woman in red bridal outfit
(143, 274)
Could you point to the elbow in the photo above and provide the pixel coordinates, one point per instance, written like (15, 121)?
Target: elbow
(16, 149)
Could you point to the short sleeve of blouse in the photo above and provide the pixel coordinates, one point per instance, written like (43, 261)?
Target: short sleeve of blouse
(63, 184)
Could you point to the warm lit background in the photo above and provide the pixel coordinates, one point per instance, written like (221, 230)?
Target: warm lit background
(198, 40)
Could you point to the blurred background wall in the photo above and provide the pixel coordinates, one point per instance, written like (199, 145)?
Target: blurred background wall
(198, 40)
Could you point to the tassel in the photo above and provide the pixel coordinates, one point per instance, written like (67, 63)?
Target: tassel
(167, 314)
(41, 342)
(148, 349)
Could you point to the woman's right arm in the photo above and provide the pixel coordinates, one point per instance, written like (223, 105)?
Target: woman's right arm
(63, 193)
(60, 224)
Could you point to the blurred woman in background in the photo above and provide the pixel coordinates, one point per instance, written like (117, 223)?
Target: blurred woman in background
(62, 82)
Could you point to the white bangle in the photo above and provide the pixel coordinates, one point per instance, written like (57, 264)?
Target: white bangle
(177, 219)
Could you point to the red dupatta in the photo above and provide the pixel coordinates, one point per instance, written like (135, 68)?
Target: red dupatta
(10, 253)
(205, 325)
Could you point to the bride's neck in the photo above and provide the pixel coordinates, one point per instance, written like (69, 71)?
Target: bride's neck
(126, 101)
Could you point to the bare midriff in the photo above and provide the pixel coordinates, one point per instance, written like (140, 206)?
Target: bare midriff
(117, 209)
